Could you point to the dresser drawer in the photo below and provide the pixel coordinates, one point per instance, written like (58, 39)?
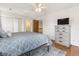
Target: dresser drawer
(65, 43)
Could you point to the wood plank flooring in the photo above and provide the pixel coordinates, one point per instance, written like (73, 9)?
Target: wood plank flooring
(71, 51)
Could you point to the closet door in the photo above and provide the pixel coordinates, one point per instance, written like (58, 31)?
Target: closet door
(7, 24)
(15, 25)
(19, 25)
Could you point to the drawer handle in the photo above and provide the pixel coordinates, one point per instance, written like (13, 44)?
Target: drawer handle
(60, 37)
(60, 41)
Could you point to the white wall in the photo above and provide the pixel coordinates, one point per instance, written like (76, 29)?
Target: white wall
(51, 20)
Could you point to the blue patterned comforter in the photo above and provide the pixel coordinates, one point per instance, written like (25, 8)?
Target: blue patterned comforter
(21, 42)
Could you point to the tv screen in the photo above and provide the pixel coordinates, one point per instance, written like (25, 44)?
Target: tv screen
(63, 21)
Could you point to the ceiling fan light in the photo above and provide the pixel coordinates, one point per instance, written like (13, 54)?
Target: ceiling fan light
(39, 9)
(36, 9)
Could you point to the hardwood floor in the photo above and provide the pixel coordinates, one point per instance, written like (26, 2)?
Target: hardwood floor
(71, 51)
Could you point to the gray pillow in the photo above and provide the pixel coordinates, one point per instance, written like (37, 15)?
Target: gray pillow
(0, 36)
(3, 34)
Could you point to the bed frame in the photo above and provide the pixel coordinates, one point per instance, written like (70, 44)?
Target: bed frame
(47, 45)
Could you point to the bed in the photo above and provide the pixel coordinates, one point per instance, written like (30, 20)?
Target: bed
(22, 42)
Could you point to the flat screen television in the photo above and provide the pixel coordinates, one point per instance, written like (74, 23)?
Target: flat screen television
(63, 21)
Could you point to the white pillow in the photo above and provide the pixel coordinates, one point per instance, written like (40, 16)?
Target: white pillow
(9, 34)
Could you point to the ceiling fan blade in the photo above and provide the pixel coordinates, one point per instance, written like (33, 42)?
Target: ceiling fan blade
(42, 7)
(39, 5)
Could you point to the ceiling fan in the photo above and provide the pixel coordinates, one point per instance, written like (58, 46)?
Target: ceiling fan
(39, 7)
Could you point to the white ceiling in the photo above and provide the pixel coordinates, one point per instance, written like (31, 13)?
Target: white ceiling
(28, 8)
